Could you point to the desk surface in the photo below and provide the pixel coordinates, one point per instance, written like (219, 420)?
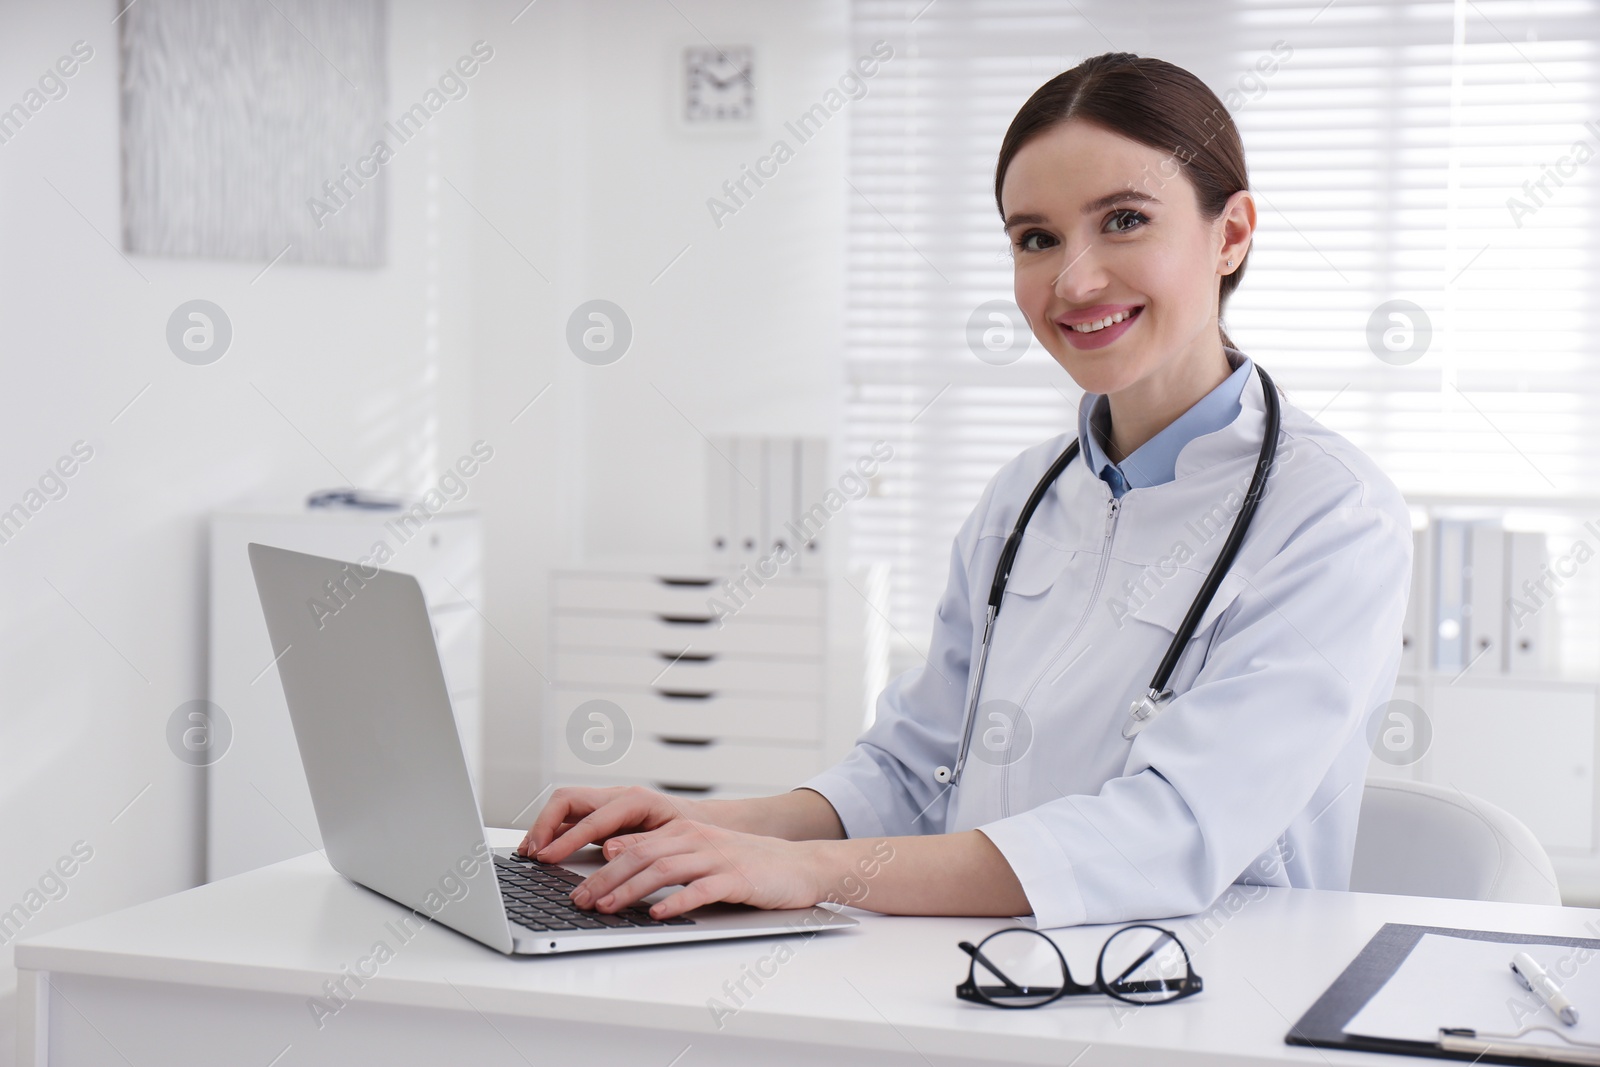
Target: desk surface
(886, 985)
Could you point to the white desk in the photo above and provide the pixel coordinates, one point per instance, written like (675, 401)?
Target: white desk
(224, 973)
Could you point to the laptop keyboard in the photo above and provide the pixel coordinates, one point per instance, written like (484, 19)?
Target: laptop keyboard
(536, 896)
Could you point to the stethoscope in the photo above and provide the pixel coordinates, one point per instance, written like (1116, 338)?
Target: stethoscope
(1146, 707)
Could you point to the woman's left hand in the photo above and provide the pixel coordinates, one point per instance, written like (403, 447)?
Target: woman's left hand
(711, 863)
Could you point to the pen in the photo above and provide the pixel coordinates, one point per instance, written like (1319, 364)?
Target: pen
(1531, 977)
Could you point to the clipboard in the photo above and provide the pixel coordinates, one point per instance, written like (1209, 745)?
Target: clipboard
(1322, 1026)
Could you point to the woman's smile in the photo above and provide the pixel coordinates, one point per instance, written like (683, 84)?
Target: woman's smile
(1087, 333)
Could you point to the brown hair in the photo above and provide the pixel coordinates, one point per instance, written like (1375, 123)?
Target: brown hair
(1154, 103)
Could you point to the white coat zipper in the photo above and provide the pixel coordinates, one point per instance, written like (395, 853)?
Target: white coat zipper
(1105, 564)
(1112, 512)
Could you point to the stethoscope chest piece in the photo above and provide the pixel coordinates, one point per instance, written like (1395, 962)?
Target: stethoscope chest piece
(1143, 710)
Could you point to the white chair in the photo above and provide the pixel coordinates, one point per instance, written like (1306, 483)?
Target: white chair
(1430, 841)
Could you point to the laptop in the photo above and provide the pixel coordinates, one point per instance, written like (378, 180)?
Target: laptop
(389, 782)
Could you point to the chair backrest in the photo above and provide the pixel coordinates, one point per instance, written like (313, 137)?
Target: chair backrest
(1430, 841)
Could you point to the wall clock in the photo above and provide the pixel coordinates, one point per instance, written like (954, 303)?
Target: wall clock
(719, 85)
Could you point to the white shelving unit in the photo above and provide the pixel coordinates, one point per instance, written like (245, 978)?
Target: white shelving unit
(648, 689)
(1527, 742)
(258, 808)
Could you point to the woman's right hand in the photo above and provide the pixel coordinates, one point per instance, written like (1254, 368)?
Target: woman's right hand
(575, 816)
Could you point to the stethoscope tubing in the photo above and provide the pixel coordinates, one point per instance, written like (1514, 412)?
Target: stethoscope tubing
(1143, 709)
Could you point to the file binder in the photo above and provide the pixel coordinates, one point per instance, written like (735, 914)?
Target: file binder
(1531, 616)
(748, 497)
(1485, 621)
(765, 501)
(783, 497)
(814, 486)
(1450, 595)
(1413, 635)
(721, 517)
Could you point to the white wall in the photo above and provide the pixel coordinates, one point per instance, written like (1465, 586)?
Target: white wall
(565, 155)
(102, 632)
(584, 167)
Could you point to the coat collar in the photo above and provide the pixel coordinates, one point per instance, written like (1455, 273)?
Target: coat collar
(1155, 461)
(1211, 476)
(1241, 437)
(1197, 453)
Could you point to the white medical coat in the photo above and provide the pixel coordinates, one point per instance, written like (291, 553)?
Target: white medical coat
(1252, 773)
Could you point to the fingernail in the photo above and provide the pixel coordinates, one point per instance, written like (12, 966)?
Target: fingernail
(580, 896)
(607, 900)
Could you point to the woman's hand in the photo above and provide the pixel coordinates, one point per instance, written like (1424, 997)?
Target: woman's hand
(710, 862)
(575, 816)
(651, 841)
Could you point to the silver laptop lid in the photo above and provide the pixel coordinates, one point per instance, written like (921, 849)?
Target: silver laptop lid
(377, 736)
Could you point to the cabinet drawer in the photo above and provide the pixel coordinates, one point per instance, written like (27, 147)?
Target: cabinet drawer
(716, 673)
(649, 759)
(688, 790)
(713, 715)
(664, 632)
(689, 595)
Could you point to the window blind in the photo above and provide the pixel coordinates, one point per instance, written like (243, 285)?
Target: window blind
(1436, 153)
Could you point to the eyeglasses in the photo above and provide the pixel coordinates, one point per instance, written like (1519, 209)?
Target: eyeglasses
(1140, 964)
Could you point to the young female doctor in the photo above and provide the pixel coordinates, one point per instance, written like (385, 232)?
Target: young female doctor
(1119, 745)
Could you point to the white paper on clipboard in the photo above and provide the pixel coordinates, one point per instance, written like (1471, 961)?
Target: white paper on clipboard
(1461, 982)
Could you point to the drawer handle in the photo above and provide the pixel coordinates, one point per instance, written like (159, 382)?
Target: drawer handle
(697, 742)
(698, 583)
(687, 657)
(687, 620)
(680, 787)
(687, 694)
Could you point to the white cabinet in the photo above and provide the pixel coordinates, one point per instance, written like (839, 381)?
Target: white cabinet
(1527, 747)
(1525, 744)
(258, 809)
(655, 684)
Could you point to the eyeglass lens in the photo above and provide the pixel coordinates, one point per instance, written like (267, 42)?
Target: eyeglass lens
(1143, 964)
(1019, 968)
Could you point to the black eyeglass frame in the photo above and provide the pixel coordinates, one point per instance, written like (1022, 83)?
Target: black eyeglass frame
(1188, 986)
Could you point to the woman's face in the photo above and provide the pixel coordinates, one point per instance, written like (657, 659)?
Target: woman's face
(1100, 224)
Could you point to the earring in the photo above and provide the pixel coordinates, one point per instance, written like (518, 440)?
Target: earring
(1230, 262)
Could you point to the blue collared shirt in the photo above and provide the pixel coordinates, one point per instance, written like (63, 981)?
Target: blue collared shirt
(1154, 462)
